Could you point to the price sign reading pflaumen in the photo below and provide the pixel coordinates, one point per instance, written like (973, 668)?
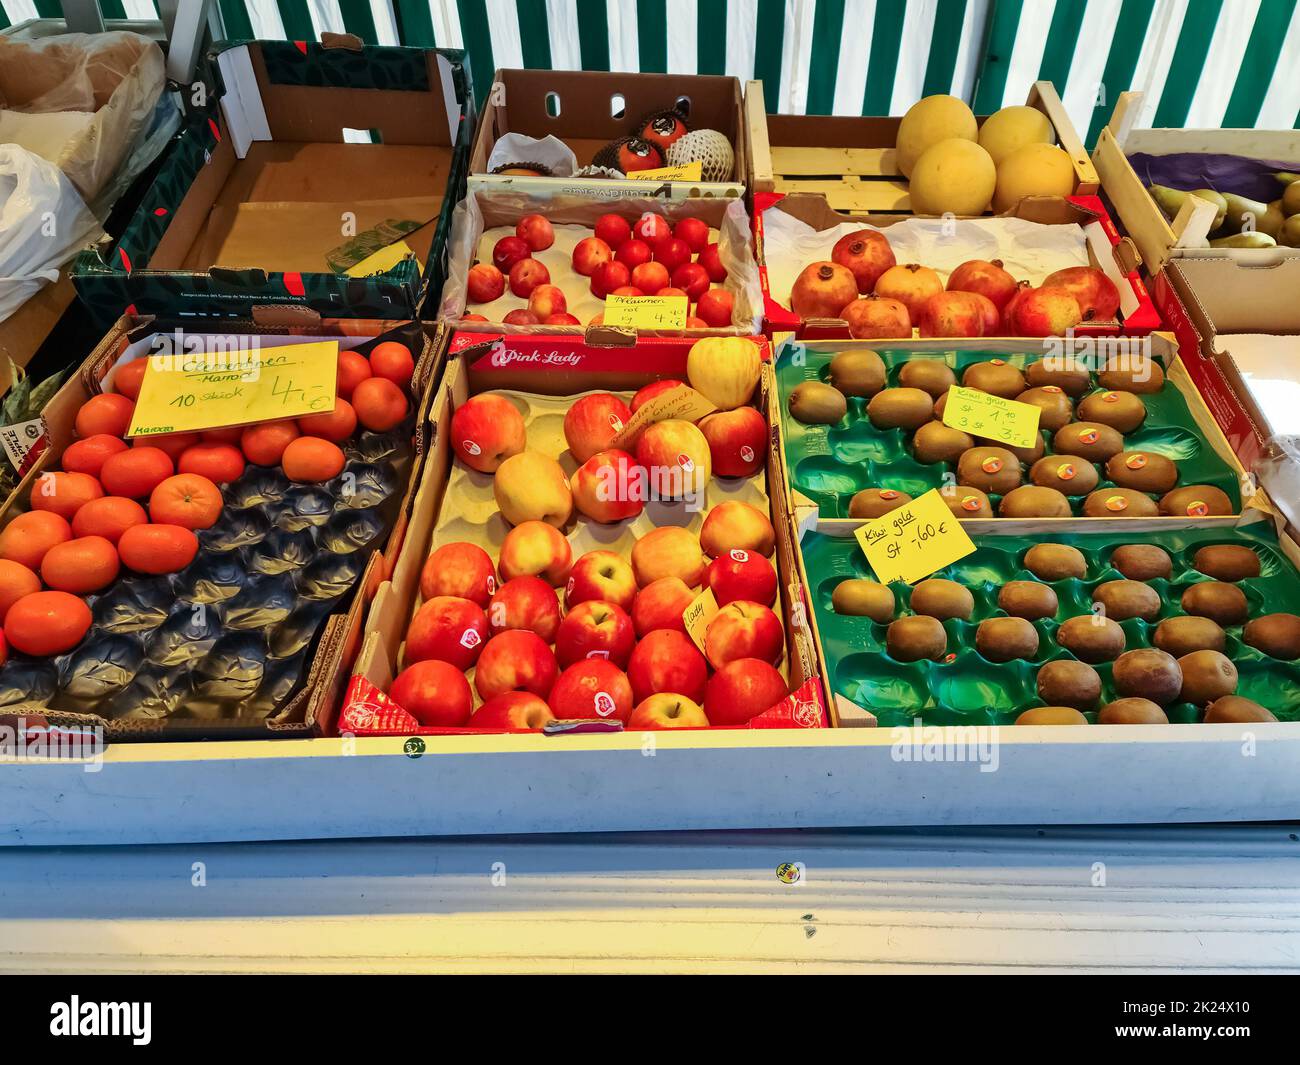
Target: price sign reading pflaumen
(912, 542)
(646, 312)
(192, 391)
(993, 417)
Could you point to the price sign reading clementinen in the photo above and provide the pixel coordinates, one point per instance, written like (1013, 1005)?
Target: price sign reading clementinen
(992, 417)
(912, 542)
(191, 391)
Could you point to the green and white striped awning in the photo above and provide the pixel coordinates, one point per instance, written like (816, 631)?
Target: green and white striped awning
(1201, 63)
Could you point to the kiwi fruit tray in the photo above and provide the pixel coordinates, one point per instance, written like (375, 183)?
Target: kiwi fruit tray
(991, 676)
(836, 448)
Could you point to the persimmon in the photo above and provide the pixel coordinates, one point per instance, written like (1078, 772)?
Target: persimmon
(380, 404)
(137, 472)
(26, 539)
(128, 378)
(80, 566)
(353, 369)
(157, 549)
(172, 443)
(64, 493)
(47, 623)
(90, 454)
(219, 463)
(392, 361)
(312, 460)
(106, 413)
(336, 425)
(264, 443)
(15, 582)
(109, 517)
(188, 499)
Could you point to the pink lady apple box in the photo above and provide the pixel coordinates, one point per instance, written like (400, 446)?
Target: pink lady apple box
(543, 371)
(781, 258)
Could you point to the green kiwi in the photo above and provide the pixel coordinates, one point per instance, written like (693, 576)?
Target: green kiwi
(1181, 636)
(990, 469)
(1052, 715)
(936, 442)
(1119, 503)
(1143, 470)
(1028, 599)
(1148, 673)
(929, 375)
(1089, 440)
(943, 599)
(966, 502)
(1132, 373)
(1195, 501)
(1207, 675)
(1127, 599)
(900, 408)
(873, 502)
(1061, 371)
(859, 372)
(1006, 639)
(1142, 562)
(1069, 683)
(1068, 474)
(995, 377)
(1122, 411)
(1226, 562)
(1132, 712)
(1277, 635)
(814, 403)
(858, 597)
(1224, 603)
(1230, 708)
(1055, 562)
(912, 639)
(1054, 406)
(1034, 501)
(1091, 638)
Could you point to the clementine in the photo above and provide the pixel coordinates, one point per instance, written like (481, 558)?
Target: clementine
(219, 463)
(379, 404)
(26, 539)
(46, 623)
(188, 499)
(336, 425)
(108, 517)
(80, 566)
(128, 377)
(90, 454)
(137, 472)
(311, 459)
(353, 369)
(64, 493)
(157, 549)
(172, 443)
(264, 443)
(393, 361)
(106, 413)
(15, 582)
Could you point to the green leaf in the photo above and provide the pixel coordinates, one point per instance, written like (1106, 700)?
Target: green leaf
(15, 404)
(43, 392)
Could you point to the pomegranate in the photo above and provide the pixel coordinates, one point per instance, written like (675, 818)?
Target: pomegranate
(711, 260)
(1008, 309)
(866, 253)
(985, 277)
(954, 314)
(1096, 294)
(822, 290)
(911, 285)
(1045, 312)
(875, 318)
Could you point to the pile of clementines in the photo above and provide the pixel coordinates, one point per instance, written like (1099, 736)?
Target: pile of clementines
(139, 503)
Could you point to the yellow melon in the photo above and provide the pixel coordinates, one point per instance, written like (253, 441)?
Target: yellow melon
(929, 121)
(1034, 170)
(954, 176)
(1013, 127)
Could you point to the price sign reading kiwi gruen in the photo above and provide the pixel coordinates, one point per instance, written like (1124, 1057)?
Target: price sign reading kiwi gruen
(646, 312)
(692, 171)
(192, 391)
(912, 542)
(980, 414)
(683, 403)
(696, 617)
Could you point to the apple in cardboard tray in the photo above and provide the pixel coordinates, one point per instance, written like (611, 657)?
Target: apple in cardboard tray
(485, 430)
(660, 604)
(670, 551)
(595, 629)
(513, 710)
(592, 688)
(667, 710)
(737, 441)
(592, 422)
(538, 549)
(667, 661)
(433, 692)
(742, 575)
(734, 524)
(741, 690)
(515, 660)
(448, 629)
(743, 630)
(610, 486)
(655, 388)
(525, 603)
(531, 486)
(676, 457)
(603, 575)
(461, 569)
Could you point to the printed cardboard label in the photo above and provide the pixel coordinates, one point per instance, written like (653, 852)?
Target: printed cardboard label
(383, 260)
(980, 414)
(914, 541)
(22, 443)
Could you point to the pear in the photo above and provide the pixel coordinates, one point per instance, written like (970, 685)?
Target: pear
(1291, 199)
(1272, 221)
(1290, 235)
(1171, 201)
(1252, 239)
(1286, 178)
(1238, 208)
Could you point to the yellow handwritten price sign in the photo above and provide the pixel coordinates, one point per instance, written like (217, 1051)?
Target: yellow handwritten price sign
(383, 260)
(696, 617)
(693, 171)
(682, 403)
(980, 414)
(646, 312)
(189, 392)
(912, 542)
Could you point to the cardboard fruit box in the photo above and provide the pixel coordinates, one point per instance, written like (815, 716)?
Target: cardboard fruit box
(324, 177)
(454, 504)
(780, 261)
(1200, 153)
(316, 664)
(851, 163)
(586, 110)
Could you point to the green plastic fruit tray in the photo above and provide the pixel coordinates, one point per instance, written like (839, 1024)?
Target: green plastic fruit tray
(965, 688)
(830, 463)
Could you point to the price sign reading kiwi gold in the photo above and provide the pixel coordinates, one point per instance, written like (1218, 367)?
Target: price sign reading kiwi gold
(980, 414)
(914, 541)
(192, 391)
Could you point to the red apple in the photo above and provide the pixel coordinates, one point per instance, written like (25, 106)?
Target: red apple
(877, 318)
(435, 693)
(633, 254)
(667, 710)
(448, 629)
(535, 231)
(985, 277)
(610, 486)
(667, 661)
(595, 630)
(535, 548)
(737, 441)
(484, 283)
(692, 279)
(651, 228)
(694, 232)
(526, 275)
(508, 251)
(655, 388)
(672, 253)
(711, 260)
(867, 255)
(741, 690)
(742, 575)
(517, 711)
(660, 604)
(525, 603)
(515, 660)
(613, 230)
(650, 277)
(592, 689)
(715, 308)
(486, 430)
(1045, 312)
(610, 277)
(743, 629)
(604, 576)
(460, 569)
(1093, 291)
(589, 254)
(676, 457)
(592, 422)
(735, 524)
(547, 300)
